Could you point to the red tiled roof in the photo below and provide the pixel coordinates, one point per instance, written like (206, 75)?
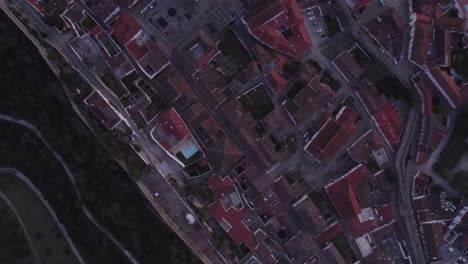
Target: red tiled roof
(333, 135)
(386, 213)
(264, 22)
(421, 179)
(125, 27)
(102, 110)
(448, 85)
(343, 194)
(238, 231)
(422, 157)
(276, 81)
(390, 123)
(136, 50)
(421, 39)
(219, 185)
(427, 102)
(329, 234)
(173, 125)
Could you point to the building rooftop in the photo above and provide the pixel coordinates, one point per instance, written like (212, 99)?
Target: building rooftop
(347, 66)
(139, 44)
(390, 123)
(387, 30)
(333, 136)
(362, 149)
(419, 44)
(229, 217)
(102, 110)
(445, 85)
(348, 195)
(279, 24)
(433, 237)
(310, 215)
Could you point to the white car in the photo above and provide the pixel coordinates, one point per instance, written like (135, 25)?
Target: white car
(319, 30)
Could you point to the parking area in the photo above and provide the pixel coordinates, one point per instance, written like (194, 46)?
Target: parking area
(170, 17)
(315, 20)
(176, 18)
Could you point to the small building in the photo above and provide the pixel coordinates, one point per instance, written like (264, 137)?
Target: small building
(445, 85)
(279, 24)
(172, 134)
(310, 215)
(433, 240)
(420, 34)
(387, 31)
(349, 195)
(333, 135)
(106, 114)
(347, 66)
(364, 149)
(228, 210)
(197, 51)
(142, 48)
(390, 123)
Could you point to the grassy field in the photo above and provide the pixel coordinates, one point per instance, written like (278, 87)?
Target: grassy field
(15, 247)
(231, 47)
(344, 248)
(46, 238)
(257, 102)
(330, 81)
(332, 25)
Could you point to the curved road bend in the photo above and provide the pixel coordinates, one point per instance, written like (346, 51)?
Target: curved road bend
(33, 187)
(72, 179)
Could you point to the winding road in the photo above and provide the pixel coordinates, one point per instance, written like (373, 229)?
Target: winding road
(69, 174)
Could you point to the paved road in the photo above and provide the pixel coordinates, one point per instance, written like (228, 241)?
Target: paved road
(12, 206)
(405, 173)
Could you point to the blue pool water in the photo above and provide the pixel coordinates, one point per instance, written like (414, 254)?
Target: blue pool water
(189, 150)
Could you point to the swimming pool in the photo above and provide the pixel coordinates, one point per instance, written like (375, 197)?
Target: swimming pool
(189, 150)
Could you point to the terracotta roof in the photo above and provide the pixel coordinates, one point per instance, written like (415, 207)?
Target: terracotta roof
(361, 150)
(220, 186)
(345, 198)
(264, 22)
(277, 82)
(446, 86)
(386, 213)
(420, 44)
(102, 110)
(173, 125)
(347, 66)
(125, 28)
(390, 123)
(333, 136)
(231, 219)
